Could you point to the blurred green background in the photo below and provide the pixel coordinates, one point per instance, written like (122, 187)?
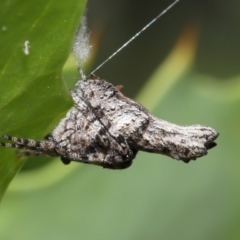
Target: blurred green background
(185, 69)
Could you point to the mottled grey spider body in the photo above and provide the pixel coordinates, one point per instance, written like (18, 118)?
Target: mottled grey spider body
(106, 128)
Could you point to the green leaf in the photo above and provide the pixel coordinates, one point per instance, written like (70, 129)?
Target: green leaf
(36, 39)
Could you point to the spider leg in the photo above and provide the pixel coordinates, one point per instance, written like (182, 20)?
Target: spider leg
(30, 147)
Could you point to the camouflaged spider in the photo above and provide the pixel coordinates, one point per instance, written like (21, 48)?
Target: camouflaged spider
(106, 128)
